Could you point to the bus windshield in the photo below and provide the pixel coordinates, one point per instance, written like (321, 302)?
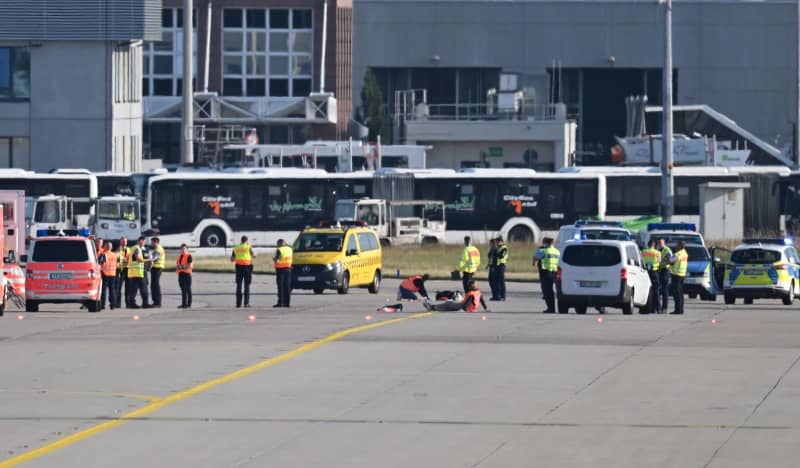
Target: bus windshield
(118, 210)
(318, 242)
(345, 210)
(48, 211)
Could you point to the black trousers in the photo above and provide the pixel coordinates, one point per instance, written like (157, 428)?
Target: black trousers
(244, 275)
(548, 279)
(155, 286)
(121, 291)
(465, 279)
(109, 292)
(283, 276)
(497, 281)
(185, 283)
(677, 293)
(664, 276)
(136, 286)
(655, 296)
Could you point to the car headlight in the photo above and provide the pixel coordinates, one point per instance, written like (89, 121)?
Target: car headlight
(333, 266)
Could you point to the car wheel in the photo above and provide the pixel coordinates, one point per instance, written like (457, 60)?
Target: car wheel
(212, 237)
(789, 298)
(580, 310)
(562, 307)
(318, 290)
(748, 300)
(375, 286)
(345, 286)
(627, 308)
(729, 299)
(31, 306)
(693, 296)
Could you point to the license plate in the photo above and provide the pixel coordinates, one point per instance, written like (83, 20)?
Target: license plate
(753, 272)
(60, 276)
(590, 284)
(305, 278)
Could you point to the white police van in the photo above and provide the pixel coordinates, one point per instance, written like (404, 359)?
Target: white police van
(591, 230)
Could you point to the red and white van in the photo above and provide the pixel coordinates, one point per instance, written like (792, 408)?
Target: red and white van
(61, 270)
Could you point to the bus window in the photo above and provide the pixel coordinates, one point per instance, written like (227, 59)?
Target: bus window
(294, 204)
(584, 199)
(552, 199)
(636, 196)
(170, 210)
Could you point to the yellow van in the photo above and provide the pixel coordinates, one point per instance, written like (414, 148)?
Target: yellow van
(337, 258)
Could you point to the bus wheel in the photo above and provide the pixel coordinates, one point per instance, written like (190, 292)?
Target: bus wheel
(212, 237)
(520, 234)
(429, 241)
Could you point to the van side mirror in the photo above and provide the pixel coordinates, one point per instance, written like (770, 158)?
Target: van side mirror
(352, 252)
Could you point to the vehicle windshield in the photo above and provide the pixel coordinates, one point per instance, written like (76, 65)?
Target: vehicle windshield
(60, 251)
(672, 239)
(697, 253)
(755, 256)
(345, 210)
(592, 255)
(318, 242)
(47, 211)
(605, 234)
(118, 210)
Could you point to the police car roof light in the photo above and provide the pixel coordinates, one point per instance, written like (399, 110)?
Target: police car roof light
(769, 240)
(84, 232)
(597, 222)
(672, 227)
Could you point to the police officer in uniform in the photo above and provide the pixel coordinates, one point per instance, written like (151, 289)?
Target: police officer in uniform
(664, 276)
(499, 267)
(159, 258)
(242, 256)
(136, 276)
(546, 259)
(652, 262)
(469, 263)
(283, 273)
(680, 264)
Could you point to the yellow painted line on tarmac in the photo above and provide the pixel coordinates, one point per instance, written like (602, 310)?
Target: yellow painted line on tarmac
(158, 404)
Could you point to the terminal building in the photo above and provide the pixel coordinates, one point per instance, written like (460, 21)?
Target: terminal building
(70, 82)
(542, 83)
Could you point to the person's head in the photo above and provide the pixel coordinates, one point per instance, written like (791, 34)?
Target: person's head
(499, 240)
(547, 241)
(281, 242)
(426, 277)
(155, 241)
(467, 240)
(109, 246)
(651, 243)
(123, 241)
(681, 245)
(662, 243)
(141, 240)
(244, 239)
(472, 285)
(184, 249)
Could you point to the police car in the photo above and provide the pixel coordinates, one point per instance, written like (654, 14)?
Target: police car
(672, 233)
(763, 269)
(591, 230)
(699, 273)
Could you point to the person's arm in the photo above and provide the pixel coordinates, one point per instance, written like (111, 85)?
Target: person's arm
(483, 304)
(467, 302)
(252, 254)
(421, 285)
(502, 253)
(190, 263)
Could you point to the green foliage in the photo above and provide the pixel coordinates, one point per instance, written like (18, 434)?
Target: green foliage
(373, 107)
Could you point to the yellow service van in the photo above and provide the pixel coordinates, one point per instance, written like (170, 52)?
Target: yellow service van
(337, 258)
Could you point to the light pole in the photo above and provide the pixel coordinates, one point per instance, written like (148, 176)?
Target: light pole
(188, 90)
(667, 182)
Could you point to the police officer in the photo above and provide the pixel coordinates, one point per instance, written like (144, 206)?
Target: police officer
(490, 257)
(469, 263)
(680, 263)
(122, 273)
(184, 270)
(136, 275)
(664, 276)
(546, 259)
(108, 270)
(498, 267)
(283, 273)
(242, 256)
(652, 262)
(159, 258)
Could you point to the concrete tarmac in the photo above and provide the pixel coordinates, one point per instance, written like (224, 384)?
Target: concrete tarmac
(211, 387)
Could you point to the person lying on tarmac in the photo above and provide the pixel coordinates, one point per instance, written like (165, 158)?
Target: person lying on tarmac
(412, 285)
(470, 303)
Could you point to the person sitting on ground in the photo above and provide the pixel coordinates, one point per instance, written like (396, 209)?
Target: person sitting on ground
(470, 303)
(412, 285)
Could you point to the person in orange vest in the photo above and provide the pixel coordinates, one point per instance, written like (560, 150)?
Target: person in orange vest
(283, 273)
(412, 285)
(469, 304)
(108, 271)
(242, 256)
(184, 271)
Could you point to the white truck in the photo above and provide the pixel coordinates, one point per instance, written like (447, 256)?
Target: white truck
(397, 222)
(117, 216)
(59, 213)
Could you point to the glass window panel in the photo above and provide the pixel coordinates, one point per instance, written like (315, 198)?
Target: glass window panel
(256, 18)
(166, 18)
(22, 72)
(166, 41)
(301, 65)
(5, 152)
(301, 19)
(232, 65)
(179, 86)
(146, 64)
(256, 65)
(256, 41)
(5, 72)
(279, 19)
(301, 87)
(162, 87)
(279, 42)
(279, 87)
(232, 41)
(162, 64)
(279, 65)
(256, 87)
(179, 12)
(146, 87)
(21, 151)
(232, 18)
(232, 87)
(301, 42)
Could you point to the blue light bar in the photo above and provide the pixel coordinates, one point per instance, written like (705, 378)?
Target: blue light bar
(594, 222)
(84, 232)
(42, 232)
(672, 227)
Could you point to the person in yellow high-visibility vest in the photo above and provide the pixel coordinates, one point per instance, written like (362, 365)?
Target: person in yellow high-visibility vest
(159, 258)
(136, 272)
(242, 256)
(283, 273)
(469, 263)
(651, 257)
(546, 258)
(680, 264)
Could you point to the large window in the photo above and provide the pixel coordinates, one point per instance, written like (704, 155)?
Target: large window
(15, 152)
(15, 73)
(163, 60)
(267, 52)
